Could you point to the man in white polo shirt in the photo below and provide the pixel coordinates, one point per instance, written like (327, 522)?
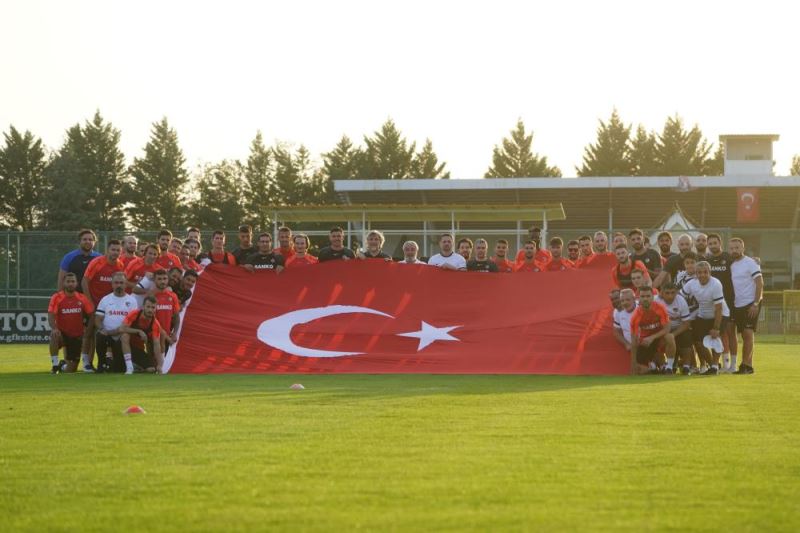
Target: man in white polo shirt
(712, 312)
(447, 258)
(748, 288)
(622, 318)
(111, 311)
(410, 250)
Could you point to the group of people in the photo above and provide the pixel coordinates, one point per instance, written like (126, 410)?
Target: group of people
(125, 305)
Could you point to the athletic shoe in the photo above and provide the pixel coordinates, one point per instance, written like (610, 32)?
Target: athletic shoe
(711, 371)
(686, 371)
(703, 370)
(56, 369)
(129, 372)
(89, 369)
(745, 369)
(666, 370)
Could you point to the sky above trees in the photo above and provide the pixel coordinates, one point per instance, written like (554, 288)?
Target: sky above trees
(460, 74)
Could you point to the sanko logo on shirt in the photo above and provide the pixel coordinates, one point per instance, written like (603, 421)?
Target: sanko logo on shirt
(164, 307)
(118, 312)
(105, 278)
(71, 310)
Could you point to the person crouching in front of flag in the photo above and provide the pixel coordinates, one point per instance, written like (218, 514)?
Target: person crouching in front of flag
(650, 336)
(712, 314)
(66, 314)
(111, 311)
(141, 335)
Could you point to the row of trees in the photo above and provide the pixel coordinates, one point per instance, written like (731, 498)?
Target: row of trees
(86, 183)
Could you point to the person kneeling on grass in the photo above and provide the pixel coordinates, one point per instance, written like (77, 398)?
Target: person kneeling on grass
(140, 339)
(66, 314)
(650, 336)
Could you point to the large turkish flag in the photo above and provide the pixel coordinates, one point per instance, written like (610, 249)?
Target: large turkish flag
(377, 317)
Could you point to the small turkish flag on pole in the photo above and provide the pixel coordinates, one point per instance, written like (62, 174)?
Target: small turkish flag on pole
(747, 206)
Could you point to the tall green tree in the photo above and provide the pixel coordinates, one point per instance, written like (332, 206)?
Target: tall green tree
(715, 165)
(610, 155)
(87, 179)
(387, 155)
(296, 180)
(344, 162)
(220, 191)
(642, 153)
(794, 170)
(514, 158)
(681, 152)
(425, 164)
(259, 180)
(22, 181)
(158, 190)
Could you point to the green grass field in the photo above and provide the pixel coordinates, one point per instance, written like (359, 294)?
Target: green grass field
(399, 452)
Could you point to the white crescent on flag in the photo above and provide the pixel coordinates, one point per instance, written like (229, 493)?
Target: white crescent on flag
(277, 332)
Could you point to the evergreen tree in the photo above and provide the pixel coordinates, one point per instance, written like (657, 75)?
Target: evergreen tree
(610, 154)
(22, 181)
(679, 152)
(219, 201)
(426, 164)
(295, 180)
(344, 162)
(158, 191)
(87, 181)
(259, 177)
(642, 153)
(794, 170)
(387, 155)
(515, 159)
(715, 165)
(66, 200)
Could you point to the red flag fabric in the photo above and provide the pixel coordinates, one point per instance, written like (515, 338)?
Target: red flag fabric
(379, 317)
(747, 205)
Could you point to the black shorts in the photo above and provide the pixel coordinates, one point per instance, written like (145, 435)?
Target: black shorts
(645, 354)
(743, 321)
(142, 358)
(701, 327)
(103, 342)
(139, 357)
(684, 341)
(72, 346)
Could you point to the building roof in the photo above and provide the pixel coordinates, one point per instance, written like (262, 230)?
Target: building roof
(619, 202)
(420, 212)
(753, 136)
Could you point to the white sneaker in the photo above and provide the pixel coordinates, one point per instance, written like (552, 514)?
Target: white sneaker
(129, 371)
(702, 370)
(727, 370)
(89, 369)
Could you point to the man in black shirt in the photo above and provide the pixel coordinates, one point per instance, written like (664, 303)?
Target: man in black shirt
(721, 269)
(264, 258)
(675, 263)
(701, 245)
(648, 257)
(375, 240)
(664, 241)
(482, 263)
(246, 248)
(336, 250)
(184, 286)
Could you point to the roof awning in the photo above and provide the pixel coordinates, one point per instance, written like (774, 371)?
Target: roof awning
(419, 213)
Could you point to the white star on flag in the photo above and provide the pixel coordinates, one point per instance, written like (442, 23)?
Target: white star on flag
(429, 334)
